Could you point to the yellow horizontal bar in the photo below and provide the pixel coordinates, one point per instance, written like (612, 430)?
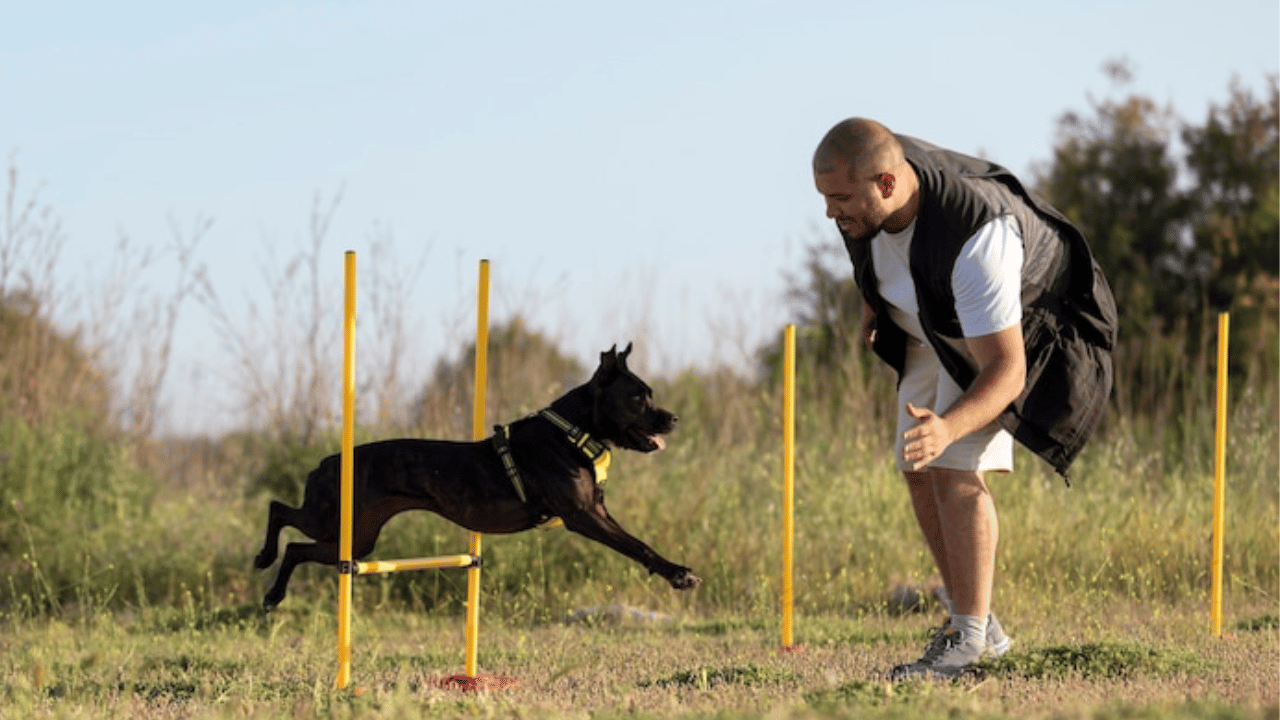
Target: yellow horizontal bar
(387, 566)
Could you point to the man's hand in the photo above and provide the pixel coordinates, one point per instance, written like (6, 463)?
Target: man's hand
(868, 325)
(927, 440)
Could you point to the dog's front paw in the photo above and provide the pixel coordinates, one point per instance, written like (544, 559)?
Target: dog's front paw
(684, 579)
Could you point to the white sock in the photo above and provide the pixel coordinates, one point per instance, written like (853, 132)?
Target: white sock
(974, 628)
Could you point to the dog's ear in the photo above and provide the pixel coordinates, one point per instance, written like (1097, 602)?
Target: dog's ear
(610, 356)
(608, 363)
(622, 357)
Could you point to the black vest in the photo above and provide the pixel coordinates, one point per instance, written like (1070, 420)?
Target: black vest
(1069, 315)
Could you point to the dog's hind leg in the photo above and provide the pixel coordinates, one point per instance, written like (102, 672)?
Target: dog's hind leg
(365, 531)
(281, 516)
(315, 519)
(275, 523)
(296, 553)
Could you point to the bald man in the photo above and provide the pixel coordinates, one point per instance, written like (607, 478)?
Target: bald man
(989, 305)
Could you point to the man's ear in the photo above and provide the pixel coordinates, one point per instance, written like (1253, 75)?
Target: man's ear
(887, 183)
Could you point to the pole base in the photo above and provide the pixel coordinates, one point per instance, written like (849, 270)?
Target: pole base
(481, 682)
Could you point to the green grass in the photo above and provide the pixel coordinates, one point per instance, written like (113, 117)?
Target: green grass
(1093, 660)
(148, 609)
(239, 663)
(126, 587)
(125, 593)
(82, 531)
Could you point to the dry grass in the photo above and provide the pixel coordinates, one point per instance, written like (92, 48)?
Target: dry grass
(1152, 662)
(125, 557)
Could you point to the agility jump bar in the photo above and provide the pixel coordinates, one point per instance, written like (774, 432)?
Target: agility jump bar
(375, 567)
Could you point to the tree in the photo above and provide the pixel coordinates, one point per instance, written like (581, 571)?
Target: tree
(526, 371)
(1179, 237)
(832, 361)
(827, 304)
(1113, 175)
(1235, 158)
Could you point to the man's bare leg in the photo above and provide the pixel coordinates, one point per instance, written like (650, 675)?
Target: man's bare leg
(956, 514)
(924, 502)
(966, 514)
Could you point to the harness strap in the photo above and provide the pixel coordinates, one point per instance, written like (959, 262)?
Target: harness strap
(596, 451)
(591, 447)
(502, 443)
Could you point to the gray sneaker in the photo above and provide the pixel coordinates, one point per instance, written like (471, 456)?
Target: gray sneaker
(948, 655)
(935, 647)
(997, 640)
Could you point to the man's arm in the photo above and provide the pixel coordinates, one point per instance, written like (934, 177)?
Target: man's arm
(1002, 373)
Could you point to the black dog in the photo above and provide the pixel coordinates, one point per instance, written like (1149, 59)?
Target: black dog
(535, 469)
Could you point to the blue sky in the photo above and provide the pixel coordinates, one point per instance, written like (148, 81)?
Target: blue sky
(636, 172)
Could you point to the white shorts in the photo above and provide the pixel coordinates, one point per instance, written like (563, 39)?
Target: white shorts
(925, 383)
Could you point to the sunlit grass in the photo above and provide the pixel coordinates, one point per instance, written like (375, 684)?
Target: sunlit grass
(238, 663)
(113, 542)
(126, 586)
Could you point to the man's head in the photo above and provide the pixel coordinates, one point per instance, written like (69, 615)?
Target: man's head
(866, 180)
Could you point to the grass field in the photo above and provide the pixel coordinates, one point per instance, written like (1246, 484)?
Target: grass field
(128, 597)
(126, 587)
(1070, 660)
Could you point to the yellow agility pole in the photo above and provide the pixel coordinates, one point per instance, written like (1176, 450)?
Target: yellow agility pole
(347, 467)
(1219, 477)
(788, 480)
(478, 433)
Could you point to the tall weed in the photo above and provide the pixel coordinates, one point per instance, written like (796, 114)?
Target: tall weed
(81, 529)
(69, 502)
(91, 518)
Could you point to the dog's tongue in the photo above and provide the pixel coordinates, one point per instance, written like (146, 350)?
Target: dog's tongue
(659, 441)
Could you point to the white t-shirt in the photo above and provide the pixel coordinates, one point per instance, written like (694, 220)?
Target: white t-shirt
(986, 279)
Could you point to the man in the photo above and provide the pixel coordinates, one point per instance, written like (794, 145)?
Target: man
(1000, 325)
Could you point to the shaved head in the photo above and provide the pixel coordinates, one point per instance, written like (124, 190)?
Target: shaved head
(865, 146)
(863, 174)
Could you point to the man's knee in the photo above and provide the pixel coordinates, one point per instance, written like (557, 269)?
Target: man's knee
(959, 485)
(917, 478)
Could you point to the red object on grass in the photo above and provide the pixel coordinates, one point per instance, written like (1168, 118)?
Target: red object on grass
(482, 681)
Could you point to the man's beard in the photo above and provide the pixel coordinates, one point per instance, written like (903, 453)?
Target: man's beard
(851, 238)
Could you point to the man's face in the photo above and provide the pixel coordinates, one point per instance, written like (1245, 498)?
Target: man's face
(857, 204)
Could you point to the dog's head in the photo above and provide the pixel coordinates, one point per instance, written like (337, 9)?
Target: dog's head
(624, 412)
